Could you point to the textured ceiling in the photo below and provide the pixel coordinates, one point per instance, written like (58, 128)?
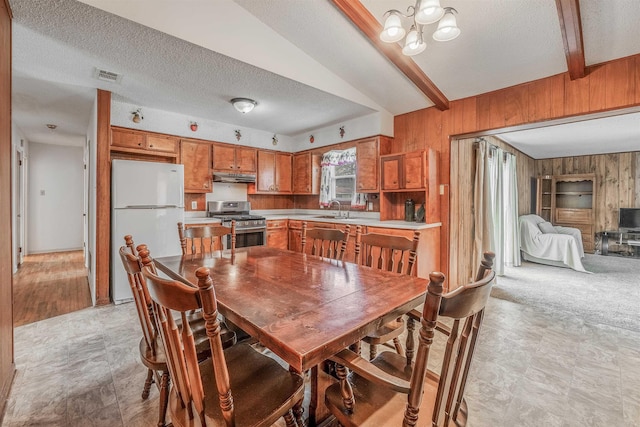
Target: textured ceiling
(303, 61)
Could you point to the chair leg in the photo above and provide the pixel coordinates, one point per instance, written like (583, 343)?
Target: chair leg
(373, 351)
(289, 420)
(147, 384)
(298, 410)
(398, 345)
(164, 398)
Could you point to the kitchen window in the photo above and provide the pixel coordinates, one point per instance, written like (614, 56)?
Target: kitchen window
(338, 181)
(344, 182)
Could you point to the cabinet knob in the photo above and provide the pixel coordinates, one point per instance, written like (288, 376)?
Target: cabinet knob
(231, 167)
(139, 144)
(360, 185)
(206, 185)
(150, 145)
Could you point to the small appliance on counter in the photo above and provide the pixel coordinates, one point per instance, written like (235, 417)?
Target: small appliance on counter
(409, 210)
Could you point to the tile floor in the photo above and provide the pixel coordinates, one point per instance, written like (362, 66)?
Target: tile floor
(82, 369)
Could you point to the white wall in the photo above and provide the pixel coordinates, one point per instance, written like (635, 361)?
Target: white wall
(92, 137)
(178, 124)
(55, 197)
(362, 127)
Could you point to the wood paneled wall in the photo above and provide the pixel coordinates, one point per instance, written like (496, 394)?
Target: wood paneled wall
(7, 366)
(103, 197)
(617, 181)
(608, 86)
(463, 169)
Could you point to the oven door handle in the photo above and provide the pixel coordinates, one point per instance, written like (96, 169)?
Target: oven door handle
(244, 230)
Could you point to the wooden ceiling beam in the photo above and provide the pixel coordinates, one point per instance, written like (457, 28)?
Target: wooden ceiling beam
(369, 25)
(571, 26)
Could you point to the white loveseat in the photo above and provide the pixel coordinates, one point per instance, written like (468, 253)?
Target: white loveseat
(544, 243)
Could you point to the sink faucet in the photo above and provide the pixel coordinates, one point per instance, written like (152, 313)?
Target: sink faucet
(339, 206)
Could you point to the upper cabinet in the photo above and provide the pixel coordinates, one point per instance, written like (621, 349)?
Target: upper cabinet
(229, 158)
(306, 173)
(196, 158)
(367, 154)
(405, 171)
(146, 143)
(412, 175)
(274, 173)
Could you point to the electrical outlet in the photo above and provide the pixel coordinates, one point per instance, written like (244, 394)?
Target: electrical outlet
(194, 205)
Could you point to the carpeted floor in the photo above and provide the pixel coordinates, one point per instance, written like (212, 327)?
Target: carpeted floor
(610, 296)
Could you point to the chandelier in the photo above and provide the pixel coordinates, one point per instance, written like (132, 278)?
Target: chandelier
(423, 13)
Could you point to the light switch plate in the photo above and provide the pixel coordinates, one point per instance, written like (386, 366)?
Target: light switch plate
(194, 205)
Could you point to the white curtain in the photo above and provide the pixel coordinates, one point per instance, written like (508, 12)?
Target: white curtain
(496, 207)
(510, 198)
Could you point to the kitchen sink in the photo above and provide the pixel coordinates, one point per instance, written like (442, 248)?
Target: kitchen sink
(341, 218)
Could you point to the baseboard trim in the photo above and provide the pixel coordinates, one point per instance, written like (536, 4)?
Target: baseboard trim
(4, 392)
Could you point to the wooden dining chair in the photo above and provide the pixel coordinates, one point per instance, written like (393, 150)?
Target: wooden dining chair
(325, 242)
(388, 389)
(392, 253)
(203, 239)
(151, 352)
(238, 385)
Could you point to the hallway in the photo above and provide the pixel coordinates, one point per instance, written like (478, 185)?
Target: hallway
(48, 285)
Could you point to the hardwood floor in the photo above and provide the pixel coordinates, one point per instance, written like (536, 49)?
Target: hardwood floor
(48, 285)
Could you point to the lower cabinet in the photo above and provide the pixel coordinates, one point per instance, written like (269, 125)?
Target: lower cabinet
(428, 247)
(277, 234)
(295, 235)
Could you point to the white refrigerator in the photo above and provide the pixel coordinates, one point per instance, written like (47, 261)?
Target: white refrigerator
(147, 202)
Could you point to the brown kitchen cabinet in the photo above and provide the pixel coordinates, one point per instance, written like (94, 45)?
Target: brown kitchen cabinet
(295, 235)
(411, 175)
(278, 234)
(140, 142)
(196, 158)
(350, 253)
(428, 259)
(367, 154)
(404, 171)
(306, 173)
(228, 158)
(274, 173)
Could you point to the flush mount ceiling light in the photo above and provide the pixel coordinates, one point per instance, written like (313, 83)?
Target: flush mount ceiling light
(51, 126)
(244, 105)
(424, 12)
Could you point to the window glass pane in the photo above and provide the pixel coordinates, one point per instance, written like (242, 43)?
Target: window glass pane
(345, 187)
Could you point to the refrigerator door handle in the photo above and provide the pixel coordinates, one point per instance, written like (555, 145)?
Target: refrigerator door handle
(150, 206)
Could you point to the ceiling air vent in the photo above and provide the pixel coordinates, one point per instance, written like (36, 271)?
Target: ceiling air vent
(107, 76)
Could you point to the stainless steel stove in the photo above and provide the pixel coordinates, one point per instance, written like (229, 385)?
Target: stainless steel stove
(251, 230)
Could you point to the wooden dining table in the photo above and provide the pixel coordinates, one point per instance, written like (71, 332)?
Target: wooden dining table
(301, 307)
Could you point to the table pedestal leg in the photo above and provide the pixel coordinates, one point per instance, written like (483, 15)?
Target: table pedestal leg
(320, 380)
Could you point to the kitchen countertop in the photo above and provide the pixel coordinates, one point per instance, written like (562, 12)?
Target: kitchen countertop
(201, 220)
(360, 221)
(370, 221)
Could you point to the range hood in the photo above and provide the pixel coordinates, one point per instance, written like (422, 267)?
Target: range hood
(233, 177)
